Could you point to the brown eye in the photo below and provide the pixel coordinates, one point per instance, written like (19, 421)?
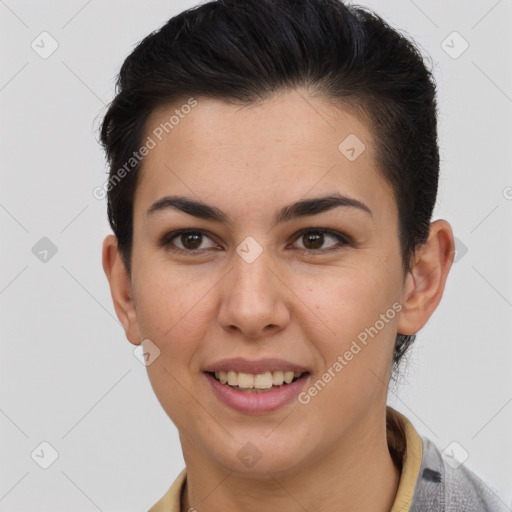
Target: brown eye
(191, 241)
(314, 239)
(186, 241)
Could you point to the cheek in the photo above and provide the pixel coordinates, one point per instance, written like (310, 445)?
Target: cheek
(361, 309)
(171, 311)
(168, 298)
(347, 301)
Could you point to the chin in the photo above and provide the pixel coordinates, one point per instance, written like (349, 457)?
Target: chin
(257, 455)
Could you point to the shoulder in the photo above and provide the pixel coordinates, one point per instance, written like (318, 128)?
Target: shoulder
(451, 487)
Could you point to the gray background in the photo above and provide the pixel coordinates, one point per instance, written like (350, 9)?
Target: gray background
(68, 375)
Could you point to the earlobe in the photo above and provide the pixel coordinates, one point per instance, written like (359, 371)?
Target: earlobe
(424, 285)
(120, 288)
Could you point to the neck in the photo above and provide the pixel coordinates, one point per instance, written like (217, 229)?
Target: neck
(355, 474)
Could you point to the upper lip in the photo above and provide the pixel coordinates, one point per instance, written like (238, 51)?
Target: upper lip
(239, 364)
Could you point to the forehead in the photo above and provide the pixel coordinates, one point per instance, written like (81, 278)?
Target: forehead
(290, 145)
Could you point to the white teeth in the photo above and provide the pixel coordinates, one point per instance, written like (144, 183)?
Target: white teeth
(232, 378)
(245, 380)
(288, 377)
(263, 380)
(257, 381)
(277, 378)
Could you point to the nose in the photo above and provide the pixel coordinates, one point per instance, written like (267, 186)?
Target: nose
(255, 299)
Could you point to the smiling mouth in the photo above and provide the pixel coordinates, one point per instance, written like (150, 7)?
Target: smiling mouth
(257, 383)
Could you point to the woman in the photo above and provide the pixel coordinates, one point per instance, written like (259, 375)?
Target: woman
(273, 172)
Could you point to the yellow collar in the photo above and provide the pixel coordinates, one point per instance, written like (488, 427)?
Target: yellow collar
(405, 447)
(407, 451)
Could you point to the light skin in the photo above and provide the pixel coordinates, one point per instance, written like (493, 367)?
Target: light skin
(302, 306)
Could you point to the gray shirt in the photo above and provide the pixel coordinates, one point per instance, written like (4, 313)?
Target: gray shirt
(443, 488)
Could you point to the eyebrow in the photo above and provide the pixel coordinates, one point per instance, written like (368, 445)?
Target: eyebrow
(302, 208)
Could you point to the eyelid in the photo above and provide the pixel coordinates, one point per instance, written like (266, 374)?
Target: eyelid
(345, 239)
(166, 239)
(342, 238)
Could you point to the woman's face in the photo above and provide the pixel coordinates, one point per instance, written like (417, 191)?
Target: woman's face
(259, 286)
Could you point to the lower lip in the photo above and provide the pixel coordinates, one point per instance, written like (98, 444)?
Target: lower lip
(254, 403)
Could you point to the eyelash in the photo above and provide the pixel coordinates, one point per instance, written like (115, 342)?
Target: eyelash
(166, 240)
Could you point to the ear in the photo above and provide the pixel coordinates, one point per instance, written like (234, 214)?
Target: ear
(424, 284)
(120, 288)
